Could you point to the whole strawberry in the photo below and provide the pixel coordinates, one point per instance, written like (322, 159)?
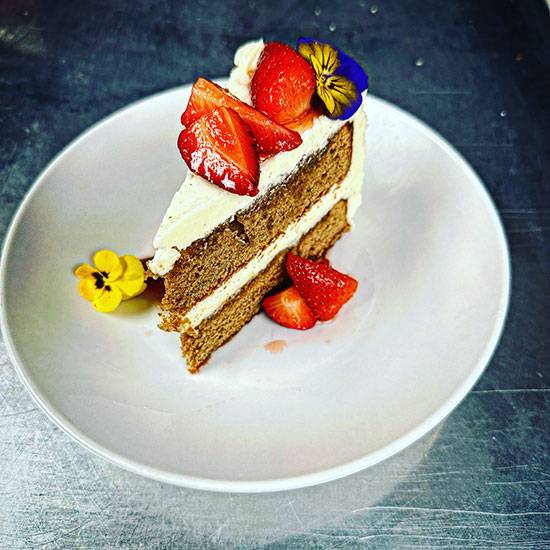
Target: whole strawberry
(324, 289)
(283, 84)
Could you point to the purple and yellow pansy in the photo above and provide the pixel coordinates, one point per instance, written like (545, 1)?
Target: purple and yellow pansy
(339, 79)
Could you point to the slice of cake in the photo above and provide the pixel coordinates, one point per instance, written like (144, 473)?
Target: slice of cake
(276, 165)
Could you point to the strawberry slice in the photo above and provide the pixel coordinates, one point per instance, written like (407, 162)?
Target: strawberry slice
(283, 84)
(289, 309)
(220, 147)
(324, 289)
(271, 137)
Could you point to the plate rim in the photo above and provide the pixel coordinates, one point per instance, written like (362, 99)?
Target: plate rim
(278, 484)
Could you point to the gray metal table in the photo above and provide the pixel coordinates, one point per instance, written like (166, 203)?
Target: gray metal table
(478, 72)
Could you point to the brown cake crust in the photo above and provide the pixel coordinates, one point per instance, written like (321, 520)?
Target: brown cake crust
(197, 345)
(209, 262)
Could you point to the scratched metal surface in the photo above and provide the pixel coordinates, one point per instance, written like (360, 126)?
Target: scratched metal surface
(478, 72)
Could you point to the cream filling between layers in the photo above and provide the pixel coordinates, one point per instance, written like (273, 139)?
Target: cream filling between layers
(349, 189)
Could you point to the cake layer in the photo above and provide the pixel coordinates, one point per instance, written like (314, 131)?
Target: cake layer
(208, 262)
(198, 344)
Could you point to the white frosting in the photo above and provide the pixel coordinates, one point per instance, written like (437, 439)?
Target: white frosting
(349, 189)
(198, 207)
(246, 60)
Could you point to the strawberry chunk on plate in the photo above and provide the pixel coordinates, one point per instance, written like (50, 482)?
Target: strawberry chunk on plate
(324, 289)
(289, 309)
(220, 147)
(271, 137)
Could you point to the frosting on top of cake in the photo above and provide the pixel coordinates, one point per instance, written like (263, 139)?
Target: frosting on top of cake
(246, 60)
(198, 207)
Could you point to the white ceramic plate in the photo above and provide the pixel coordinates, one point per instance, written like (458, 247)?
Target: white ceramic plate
(427, 248)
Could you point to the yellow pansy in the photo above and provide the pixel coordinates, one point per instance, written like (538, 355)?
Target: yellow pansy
(112, 280)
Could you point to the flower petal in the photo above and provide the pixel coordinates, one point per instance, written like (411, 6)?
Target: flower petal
(108, 262)
(88, 290)
(109, 300)
(133, 268)
(326, 97)
(84, 270)
(344, 94)
(131, 288)
(323, 57)
(131, 283)
(350, 69)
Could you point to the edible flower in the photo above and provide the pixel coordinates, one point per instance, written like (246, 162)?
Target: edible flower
(112, 280)
(339, 78)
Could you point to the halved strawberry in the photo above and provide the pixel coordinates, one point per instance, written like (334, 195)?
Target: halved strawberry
(271, 137)
(220, 147)
(324, 289)
(283, 83)
(289, 309)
